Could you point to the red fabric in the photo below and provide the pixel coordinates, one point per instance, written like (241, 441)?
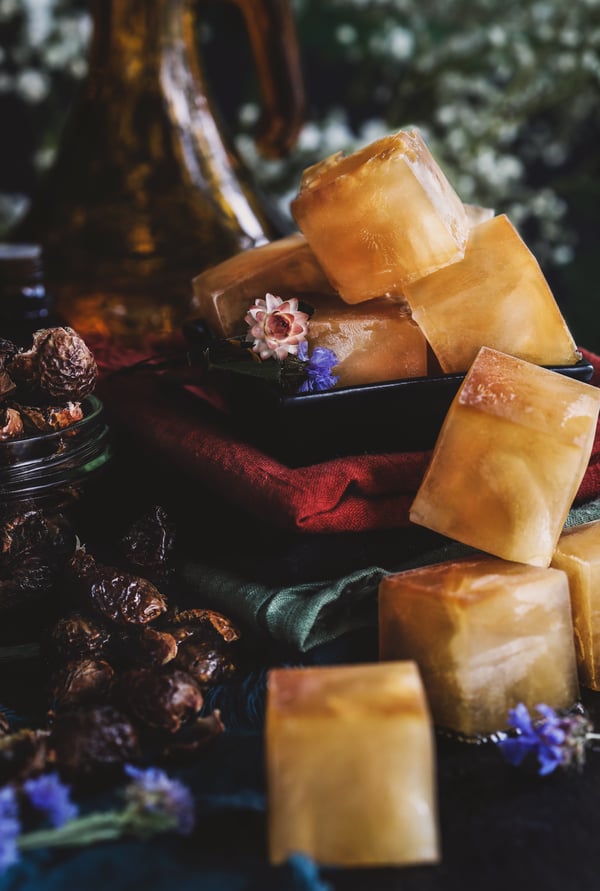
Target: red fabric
(350, 494)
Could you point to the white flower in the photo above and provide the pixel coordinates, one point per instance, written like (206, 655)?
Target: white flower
(276, 327)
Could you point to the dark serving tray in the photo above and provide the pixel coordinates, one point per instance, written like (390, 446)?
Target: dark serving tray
(402, 415)
(393, 416)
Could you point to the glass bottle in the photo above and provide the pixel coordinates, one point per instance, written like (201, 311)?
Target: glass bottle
(26, 305)
(146, 190)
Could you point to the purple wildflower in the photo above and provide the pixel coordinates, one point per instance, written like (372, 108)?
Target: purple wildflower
(318, 369)
(153, 792)
(49, 795)
(10, 827)
(555, 740)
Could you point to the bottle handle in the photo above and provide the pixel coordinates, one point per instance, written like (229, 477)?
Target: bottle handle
(272, 31)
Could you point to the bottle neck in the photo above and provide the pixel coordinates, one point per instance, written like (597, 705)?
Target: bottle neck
(130, 37)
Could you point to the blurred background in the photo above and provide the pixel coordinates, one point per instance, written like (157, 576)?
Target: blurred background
(507, 95)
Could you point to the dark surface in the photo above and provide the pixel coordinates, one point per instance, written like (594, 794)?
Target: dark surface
(501, 827)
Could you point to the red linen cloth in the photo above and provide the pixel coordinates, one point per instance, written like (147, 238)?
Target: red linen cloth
(349, 494)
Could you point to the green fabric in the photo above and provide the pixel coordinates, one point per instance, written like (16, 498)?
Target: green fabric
(311, 614)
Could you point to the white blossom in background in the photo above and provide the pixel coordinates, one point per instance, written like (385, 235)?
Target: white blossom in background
(502, 92)
(508, 90)
(54, 38)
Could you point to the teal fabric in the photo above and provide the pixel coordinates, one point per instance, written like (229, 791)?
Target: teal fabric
(312, 614)
(226, 852)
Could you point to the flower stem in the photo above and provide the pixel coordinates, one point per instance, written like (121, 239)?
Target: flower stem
(81, 831)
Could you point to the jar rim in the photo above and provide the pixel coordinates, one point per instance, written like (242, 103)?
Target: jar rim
(48, 461)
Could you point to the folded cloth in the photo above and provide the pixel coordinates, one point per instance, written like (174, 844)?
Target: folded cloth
(302, 617)
(188, 432)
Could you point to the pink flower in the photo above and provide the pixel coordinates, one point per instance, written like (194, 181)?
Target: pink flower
(276, 326)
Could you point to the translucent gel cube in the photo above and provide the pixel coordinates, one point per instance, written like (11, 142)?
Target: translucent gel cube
(486, 635)
(350, 765)
(477, 214)
(381, 217)
(374, 341)
(496, 296)
(509, 458)
(224, 292)
(578, 554)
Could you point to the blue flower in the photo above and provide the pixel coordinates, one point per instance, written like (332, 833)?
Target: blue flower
(318, 368)
(306, 875)
(49, 795)
(10, 827)
(153, 792)
(555, 740)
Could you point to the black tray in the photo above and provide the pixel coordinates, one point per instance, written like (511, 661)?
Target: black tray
(395, 416)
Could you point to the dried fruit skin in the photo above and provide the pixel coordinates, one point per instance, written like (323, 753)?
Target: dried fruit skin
(222, 625)
(118, 596)
(148, 646)
(11, 424)
(77, 637)
(46, 419)
(158, 699)
(7, 385)
(27, 588)
(83, 681)
(35, 532)
(22, 754)
(59, 365)
(7, 351)
(194, 737)
(93, 743)
(207, 662)
(4, 724)
(33, 550)
(151, 540)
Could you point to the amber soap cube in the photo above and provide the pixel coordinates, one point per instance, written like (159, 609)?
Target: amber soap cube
(223, 293)
(486, 635)
(380, 217)
(578, 554)
(350, 765)
(496, 296)
(374, 341)
(509, 458)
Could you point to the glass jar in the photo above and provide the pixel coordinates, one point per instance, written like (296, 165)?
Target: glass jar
(49, 484)
(51, 471)
(25, 303)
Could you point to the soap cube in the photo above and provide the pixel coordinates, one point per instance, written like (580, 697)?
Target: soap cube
(578, 554)
(496, 296)
(509, 458)
(350, 765)
(374, 341)
(380, 217)
(287, 267)
(477, 214)
(486, 635)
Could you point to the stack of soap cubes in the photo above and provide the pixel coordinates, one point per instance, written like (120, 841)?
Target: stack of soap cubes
(515, 443)
(350, 763)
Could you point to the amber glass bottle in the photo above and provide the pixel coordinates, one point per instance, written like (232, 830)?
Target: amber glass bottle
(146, 190)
